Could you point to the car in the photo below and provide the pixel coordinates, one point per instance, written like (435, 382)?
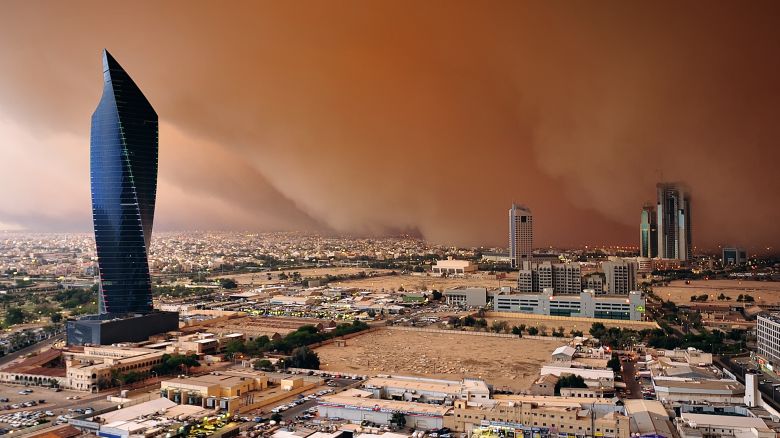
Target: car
(49, 413)
(4, 400)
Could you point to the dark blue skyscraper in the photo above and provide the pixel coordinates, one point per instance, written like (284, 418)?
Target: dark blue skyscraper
(123, 172)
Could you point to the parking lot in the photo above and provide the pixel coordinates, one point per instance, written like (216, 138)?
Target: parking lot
(22, 406)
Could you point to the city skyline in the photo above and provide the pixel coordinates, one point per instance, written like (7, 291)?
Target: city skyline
(331, 133)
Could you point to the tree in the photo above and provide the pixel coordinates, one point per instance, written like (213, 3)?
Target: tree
(740, 298)
(233, 347)
(56, 317)
(436, 295)
(614, 363)
(453, 321)
(598, 330)
(398, 419)
(569, 381)
(576, 333)
(277, 417)
(749, 299)
(15, 316)
(481, 323)
(533, 331)
(305, 357)
(543, 330)
(722, 296)
(517, 331)
(263, 364)
(499, 326)
(703, 297)
(228, 283)
(694, 298)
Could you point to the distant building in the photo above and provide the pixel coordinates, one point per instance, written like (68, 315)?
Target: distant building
(498, 257)
(734, 256)
(466, 296)
(587, 304)
(673, 212)
(594, 281)
(563, 278)
(521, 234)
(453, 267)
(648, 232)
(768, 340)
(620, 276)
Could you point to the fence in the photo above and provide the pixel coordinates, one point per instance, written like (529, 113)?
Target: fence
(468, 333)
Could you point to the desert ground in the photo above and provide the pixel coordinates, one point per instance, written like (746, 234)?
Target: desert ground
(762, 291)
(408, 282)
(259, 278)
(429, 282)
(505, 362)
(568, 324)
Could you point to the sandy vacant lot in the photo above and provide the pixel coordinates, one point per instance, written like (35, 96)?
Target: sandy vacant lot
(262, 277)
(679, 292)
(504, 362)
(418, 282)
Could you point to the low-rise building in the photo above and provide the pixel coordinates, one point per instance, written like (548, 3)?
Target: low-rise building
(587, 304)
(676, 389)
(228, 390)
(453, 267)
(94, 367)
(466, 296)
(421, 416)
(541, 416)
(690, 425)
(424, 390)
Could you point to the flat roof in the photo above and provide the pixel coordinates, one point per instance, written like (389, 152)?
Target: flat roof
(388, 405)
(724, 420)
(419, 385)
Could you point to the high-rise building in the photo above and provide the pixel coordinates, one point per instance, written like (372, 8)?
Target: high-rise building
(123, 175)
(123, 171)
(620, 276)
(674, 222)
(734, 256)
(521, 234)
(768, 337)
(562, 278)
(648, 232)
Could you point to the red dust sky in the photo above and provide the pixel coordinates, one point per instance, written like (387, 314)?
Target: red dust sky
(379, 117)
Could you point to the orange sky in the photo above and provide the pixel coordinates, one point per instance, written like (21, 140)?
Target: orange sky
(386, 116)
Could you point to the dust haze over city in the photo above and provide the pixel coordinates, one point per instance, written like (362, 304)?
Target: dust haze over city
(389, 219)
(399, 117)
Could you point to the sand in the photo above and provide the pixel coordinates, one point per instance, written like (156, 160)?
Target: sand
(512, 363)
(762, 291)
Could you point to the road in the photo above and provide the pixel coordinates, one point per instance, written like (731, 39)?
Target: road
(633, 388)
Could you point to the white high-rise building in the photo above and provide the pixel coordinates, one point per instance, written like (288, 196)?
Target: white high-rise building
(620, 275)
(674, 222)
(521, 234)
(562, 278)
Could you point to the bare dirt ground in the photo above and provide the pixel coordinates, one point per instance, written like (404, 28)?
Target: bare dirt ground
(505, 362)
(259, 278)
(762, 291)
(429, 282)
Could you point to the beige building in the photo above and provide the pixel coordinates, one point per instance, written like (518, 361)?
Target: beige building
(93, 368)
(228, 390)
(558, 415)
(453, 267)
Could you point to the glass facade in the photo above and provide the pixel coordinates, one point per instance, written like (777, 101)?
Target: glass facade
(123, 173)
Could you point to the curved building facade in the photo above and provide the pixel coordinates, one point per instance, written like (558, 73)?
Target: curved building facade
(123, 173)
